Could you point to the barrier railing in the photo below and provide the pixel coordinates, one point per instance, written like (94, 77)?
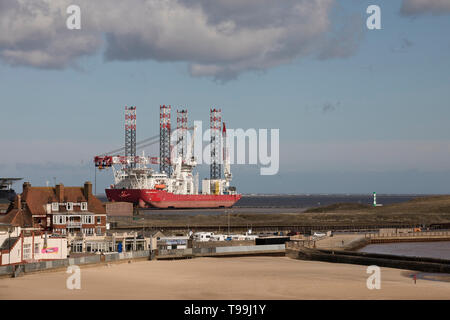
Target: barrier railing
(419, 234)
(92, 259)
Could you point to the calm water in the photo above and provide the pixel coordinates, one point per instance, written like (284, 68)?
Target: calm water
(438, 249)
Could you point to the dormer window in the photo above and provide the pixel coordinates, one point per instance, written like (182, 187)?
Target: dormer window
(55, 206)
(84, 206)
(69, 206)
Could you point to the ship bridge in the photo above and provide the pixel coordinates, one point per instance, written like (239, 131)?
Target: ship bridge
(6, 191)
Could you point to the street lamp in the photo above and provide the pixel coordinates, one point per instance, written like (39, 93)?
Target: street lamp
(9, 245)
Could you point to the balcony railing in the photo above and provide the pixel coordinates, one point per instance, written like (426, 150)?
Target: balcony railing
(71, 224)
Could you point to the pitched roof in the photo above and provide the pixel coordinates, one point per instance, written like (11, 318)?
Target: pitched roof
(9, 243)
(34, 201)
(17, 218)
(37, 199)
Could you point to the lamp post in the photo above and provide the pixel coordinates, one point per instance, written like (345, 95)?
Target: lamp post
(9, 245)
(228, 211)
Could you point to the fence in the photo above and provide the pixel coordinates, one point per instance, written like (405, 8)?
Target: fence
(53, 264)
(218, 251)
(48, 265)
(210, 244)
(258, 248)
(424, 234)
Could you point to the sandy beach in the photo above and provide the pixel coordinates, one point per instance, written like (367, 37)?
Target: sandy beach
(223, 278)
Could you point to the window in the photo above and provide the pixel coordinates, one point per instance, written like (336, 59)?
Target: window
(88, 231)
(60, 231)
(77, 246)
(99, 231)
(84, 206)
(88, 219)
(99, 220)
(99, 246)
(59, 219)
(55, 206)
(69, 206)
(36, 248)
(26, 251)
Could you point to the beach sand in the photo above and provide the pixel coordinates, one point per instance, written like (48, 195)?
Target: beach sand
(223, 278)
(339, 241)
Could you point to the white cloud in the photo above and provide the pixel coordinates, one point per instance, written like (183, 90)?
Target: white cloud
(220, 38)
(416, 7)
(33, 33)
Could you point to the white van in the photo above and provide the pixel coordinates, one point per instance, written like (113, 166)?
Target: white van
(218, 237)
(203, 236)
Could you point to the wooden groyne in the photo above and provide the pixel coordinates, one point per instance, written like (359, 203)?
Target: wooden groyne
(382, 260)
(412, 239)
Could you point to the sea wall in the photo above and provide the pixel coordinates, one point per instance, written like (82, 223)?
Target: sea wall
(62, 263)
(222, 251)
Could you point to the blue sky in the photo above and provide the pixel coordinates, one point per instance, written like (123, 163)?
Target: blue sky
(373, 120)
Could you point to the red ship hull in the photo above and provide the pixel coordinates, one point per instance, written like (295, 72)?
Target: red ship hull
(162, 199)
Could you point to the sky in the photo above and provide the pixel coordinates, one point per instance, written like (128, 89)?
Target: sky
(358, 110)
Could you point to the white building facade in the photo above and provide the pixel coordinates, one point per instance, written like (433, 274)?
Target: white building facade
(18, 246)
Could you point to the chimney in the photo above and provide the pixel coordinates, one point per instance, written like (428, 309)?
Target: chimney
(25, 187)
(18, 202)
(88, 190)
(60, 192)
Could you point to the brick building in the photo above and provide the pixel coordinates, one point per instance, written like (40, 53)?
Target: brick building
(58, 210)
